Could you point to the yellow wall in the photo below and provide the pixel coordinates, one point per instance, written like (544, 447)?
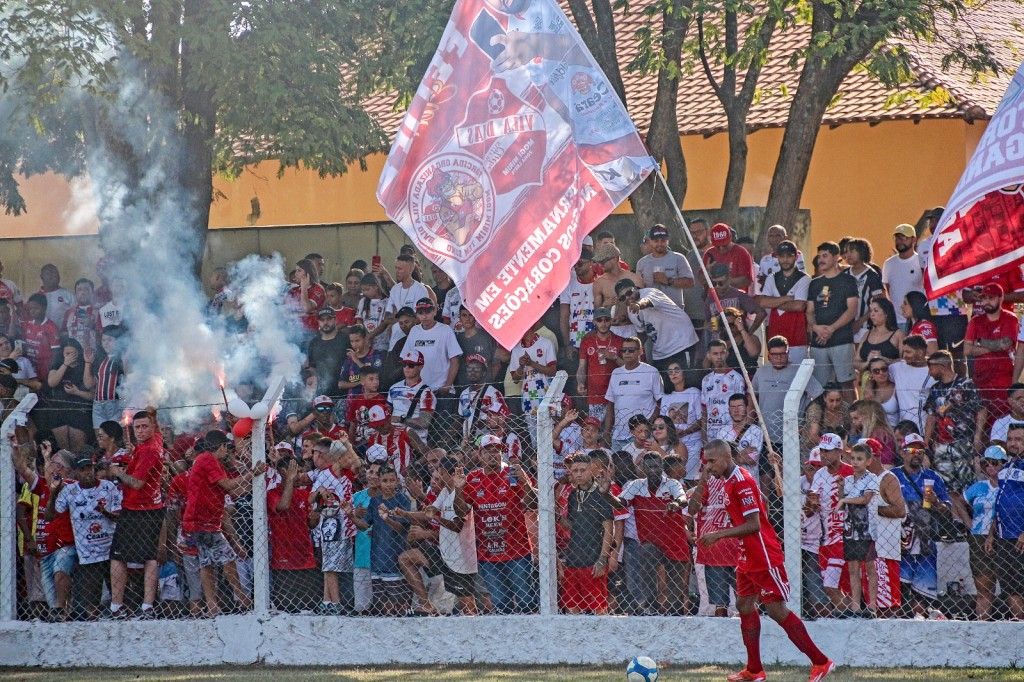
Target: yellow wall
(863, 180)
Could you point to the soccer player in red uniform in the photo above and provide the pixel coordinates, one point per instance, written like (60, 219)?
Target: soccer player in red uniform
(760, 574)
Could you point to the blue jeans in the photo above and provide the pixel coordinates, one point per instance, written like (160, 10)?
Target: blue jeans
(64, 560)
(511, 584)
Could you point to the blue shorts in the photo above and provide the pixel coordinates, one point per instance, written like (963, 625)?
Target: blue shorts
(63, 560)
(921, 573)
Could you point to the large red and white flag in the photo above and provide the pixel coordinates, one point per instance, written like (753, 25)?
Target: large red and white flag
(981, 232)
(513, 149)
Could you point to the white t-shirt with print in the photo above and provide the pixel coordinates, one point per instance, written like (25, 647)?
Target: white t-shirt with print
(534, 384)
(438, 345)
(400, 297)
(633, 391)
(715, 390)
(93, 531)
(580, 299)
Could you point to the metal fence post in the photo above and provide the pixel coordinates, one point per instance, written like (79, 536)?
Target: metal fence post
(8, 523)
(260, 530)
(547, 557)
(791, 500)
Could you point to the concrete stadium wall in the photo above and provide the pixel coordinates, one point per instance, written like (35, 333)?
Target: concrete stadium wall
(299, 640)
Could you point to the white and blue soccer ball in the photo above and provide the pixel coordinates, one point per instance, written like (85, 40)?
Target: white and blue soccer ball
(642, 669)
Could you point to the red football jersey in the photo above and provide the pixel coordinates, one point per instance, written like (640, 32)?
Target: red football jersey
(398, 445)
(291, 547)
(761, 550)
(598, 373)
(500, 515)
(357, 414)
(51, 535)
(204, 498)
(147, 465)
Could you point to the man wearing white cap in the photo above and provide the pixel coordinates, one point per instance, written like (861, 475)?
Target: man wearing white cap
(388, 442)
(412, 401)
(903, 271)
(826, 491)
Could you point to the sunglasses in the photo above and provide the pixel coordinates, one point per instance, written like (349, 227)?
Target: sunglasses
(324, 408)
(879, 370)
(674, 370)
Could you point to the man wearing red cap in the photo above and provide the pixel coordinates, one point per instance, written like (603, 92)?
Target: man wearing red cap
(990, 340)
(741, 265)
(412, 401)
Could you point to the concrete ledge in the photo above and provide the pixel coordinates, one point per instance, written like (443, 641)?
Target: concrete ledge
(299, 640)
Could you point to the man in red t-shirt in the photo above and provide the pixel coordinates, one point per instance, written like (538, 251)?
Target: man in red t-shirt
(208, 484)
(707, 506)
(499, 495)
(760, 574)
(990, 341)
(42, 338)
(741, 265)
(599, 355)
(140, 530)
(295, 580)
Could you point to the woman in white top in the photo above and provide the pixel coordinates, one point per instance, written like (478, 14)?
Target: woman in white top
(880, 388)
(371, 311)
(683, 407)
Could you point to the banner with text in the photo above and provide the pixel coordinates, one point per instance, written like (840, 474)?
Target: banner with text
(515, 147)
(981, 232)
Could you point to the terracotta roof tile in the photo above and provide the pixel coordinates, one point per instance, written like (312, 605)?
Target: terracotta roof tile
(862, 97)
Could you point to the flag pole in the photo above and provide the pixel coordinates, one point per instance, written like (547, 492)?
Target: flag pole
(772, 456)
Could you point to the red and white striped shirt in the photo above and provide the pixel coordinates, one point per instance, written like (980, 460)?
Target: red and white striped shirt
(398, 445)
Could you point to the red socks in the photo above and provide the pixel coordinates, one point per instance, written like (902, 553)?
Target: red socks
(797, 633)
(750, 628)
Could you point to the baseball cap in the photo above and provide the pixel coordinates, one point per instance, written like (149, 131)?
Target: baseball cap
(376, 453)
(607, 252)
(874, 444)
(592, 421)
(9, 364)
(658, 231)
(405, 311)
(830, 441)
(489, 440)
(787, 247)
(286, 446)
(718, 270)
(82, 462)
(994, 452)
(992, 289)
(322, 400)
(587, 253)
(721, 234)
(424, 305)
(602, 312)
(623, 284)
(476, 357)
(905, 230)
(325, 312)
(412, 358)
(913, 440)
(814, 457)
(588, 241)
(376, 416)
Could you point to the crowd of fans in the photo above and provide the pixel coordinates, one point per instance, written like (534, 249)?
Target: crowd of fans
(401, 476)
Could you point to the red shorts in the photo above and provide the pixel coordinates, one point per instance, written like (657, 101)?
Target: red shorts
(581, 590)
(889, 591)
(834, 572)
(768, 586)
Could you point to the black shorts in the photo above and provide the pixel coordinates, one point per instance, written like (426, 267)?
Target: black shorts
(432, 553)
(90, 579)
(981, 563)
(859, 550)
(459, 584)
(951, 330)
(137, 536)
(295, 591)
(1009, 566)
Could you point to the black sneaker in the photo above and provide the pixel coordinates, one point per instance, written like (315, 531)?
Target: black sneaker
(146, 614)
(121, 614)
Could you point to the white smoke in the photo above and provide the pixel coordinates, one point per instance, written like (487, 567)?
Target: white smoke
(175, 353)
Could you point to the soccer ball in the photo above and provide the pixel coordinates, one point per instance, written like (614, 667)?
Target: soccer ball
(642, 669)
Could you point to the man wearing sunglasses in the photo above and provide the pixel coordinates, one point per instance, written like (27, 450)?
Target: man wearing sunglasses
(666, 325)
(634, 388)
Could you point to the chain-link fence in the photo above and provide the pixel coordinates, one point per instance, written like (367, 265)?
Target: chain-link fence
(474, 501)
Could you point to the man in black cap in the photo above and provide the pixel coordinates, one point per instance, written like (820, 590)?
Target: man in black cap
(326, 353)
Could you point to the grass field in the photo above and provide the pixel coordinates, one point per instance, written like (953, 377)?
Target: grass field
(484, 674)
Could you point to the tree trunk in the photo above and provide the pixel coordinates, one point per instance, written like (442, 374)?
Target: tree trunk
(650, 202)
(819, 82)
(737, 173)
